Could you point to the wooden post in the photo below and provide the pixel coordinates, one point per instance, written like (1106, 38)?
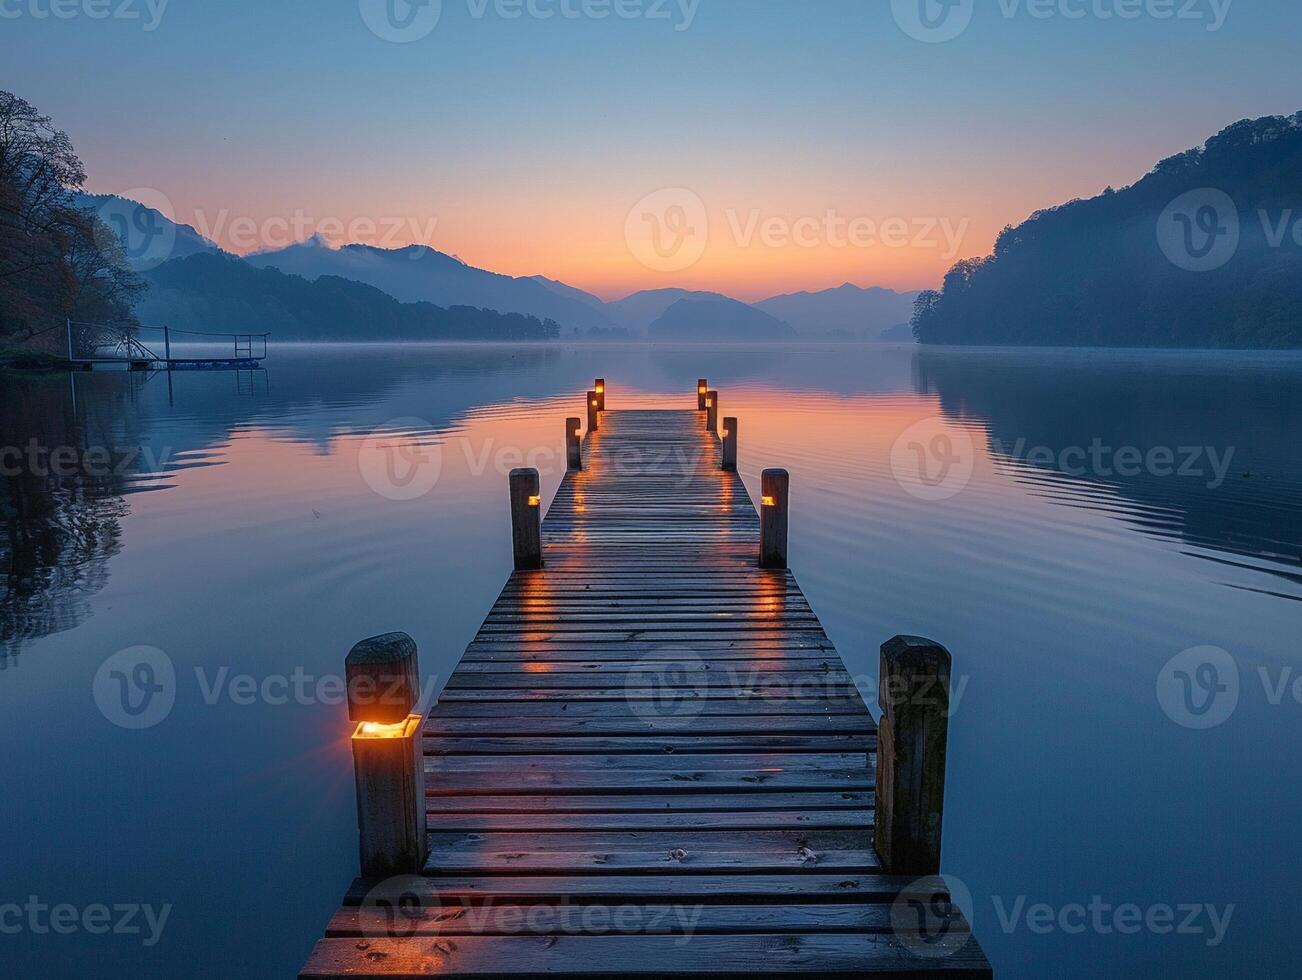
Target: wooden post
(69, 322)
(388, 761)
(167, 345)
(526, 519)
(712, 411)
(911, 744)
(774, 493)
(600, 388)
(702, 386)
(594, 419)
(383, 679)
(573, 447)
(730, 445)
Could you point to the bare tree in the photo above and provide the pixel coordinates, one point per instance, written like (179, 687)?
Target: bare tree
(55, 260)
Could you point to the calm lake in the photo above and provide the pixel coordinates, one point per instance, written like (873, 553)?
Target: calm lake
(1066, 522)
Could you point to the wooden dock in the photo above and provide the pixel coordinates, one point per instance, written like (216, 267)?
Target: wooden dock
(650, 761)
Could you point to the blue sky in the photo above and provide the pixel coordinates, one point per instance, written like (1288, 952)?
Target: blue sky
(524, 141)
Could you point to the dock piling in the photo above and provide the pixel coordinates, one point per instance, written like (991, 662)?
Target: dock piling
(383, 680)
(774, 493)
(573, 445)
(599, 387)
(729, 445)
(912, 739)
(712, 411)
(594, 407)
(702, 388)
(526, 519)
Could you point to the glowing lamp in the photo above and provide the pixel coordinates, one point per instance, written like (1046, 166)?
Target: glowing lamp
(388, 763)
(709, 403)
(535, 501)
(595, 403)
(701, 389)
(377, 729)
(601, 389)
(768, 501)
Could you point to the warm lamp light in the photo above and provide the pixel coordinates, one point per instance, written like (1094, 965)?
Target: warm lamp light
(725, 433)
(601, 389)
(535, 501)
(702, 389)
(377, 729)
(709, 403)
(768, 501)
(595, 403)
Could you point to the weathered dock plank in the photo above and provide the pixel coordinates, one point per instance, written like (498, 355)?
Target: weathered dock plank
(651, 760)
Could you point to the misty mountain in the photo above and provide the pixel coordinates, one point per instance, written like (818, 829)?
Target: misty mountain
(220, 293)
(862, 313)
(570, 292)
(419, 273)
(717, 319)
(149, 237)
(1204, 251)
(640, 310)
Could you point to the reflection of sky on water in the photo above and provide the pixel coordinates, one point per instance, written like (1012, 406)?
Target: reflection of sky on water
(260, 548)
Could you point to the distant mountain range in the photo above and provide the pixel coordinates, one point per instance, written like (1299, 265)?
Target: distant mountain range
(716, 318)
(149, 236)
(217, 292)
(847, 311)
(419, 274)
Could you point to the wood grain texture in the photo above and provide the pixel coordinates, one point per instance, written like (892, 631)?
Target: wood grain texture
(651, 760)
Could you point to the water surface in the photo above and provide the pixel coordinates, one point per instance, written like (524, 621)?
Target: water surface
(986, 499)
